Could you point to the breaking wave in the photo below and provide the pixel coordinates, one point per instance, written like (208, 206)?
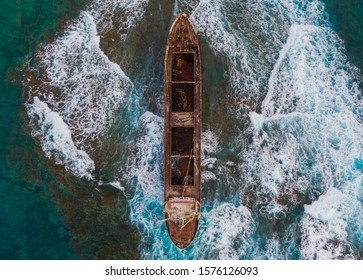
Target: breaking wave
(75, 79)
(210, 147)
(80, 82)
(307, 139)
(324, 226)
(117, 14)
(291, 188)
(56, 140)
(249, 34)
(212, 241)
(304, 143)
(308, 133)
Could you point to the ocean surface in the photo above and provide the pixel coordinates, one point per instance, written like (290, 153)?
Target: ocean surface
(81, 143)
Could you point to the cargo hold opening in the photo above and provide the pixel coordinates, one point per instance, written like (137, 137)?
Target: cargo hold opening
(182, 140)
(182, 97)
(183, 67)
(179, 174)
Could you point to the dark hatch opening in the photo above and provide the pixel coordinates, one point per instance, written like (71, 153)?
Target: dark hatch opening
(183, 67)
(182, 97)
(182, 140)
(179, 174)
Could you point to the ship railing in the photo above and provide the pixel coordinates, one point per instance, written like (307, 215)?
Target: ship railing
(178, 211)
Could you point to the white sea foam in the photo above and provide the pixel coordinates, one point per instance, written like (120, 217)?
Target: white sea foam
(210, 143)
(208, 176)
(324, 227)
(304, 12)
(209, 162)
(299, 149)
(308, 134)
(311, 57)
(256, 120)
(128, 12)
(332, 224)
(146, 167)
(82, 84)
(117, 185)
(212, 240)
(273, 251)
(212, 167)
(78, 82)
(306, 142)
(250, 33)
(227, 232)
(303, 144)
(148, 161)
(56, 140)
(210, 146)
(210, 20)
(147, 205)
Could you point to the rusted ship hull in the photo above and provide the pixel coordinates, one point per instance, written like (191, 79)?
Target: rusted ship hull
(182, 138)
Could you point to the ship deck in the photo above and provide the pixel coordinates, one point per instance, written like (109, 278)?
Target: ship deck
(182, 178)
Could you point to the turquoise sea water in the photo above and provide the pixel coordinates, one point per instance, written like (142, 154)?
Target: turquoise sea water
(81, 129)
(30, 225)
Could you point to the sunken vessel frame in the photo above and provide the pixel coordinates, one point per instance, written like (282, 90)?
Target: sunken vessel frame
(182, 132)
